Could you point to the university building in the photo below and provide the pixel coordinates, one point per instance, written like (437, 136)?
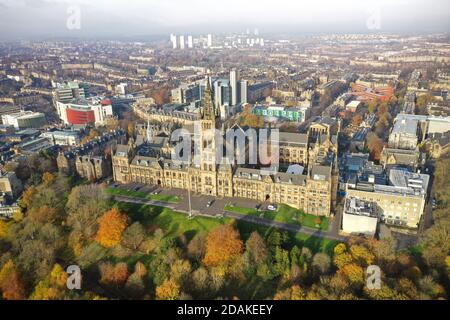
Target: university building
(310, 190)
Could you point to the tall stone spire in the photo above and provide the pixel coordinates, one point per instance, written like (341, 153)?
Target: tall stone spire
(209, 112)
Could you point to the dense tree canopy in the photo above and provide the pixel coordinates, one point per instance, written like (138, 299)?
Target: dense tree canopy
(129, 252)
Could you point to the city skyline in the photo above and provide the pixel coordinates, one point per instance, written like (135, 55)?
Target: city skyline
(116, 19)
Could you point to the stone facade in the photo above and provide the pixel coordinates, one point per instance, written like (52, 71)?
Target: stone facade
(93, 168)
(310, 192)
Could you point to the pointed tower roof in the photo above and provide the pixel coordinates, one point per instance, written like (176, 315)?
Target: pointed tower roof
(209, 112)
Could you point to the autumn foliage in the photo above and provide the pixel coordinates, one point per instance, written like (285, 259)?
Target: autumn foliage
(168, 290)
(3, 229)
(48, 178)
(27, 196)
(111, 226)
(375, 145)
(222, 245)
(11, 283)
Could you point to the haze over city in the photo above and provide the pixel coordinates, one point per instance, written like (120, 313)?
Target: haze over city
(139, 18)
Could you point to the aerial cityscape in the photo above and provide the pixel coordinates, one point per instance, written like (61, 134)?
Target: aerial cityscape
(260, 162)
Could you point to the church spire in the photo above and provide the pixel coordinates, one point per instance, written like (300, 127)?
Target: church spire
(209, 112)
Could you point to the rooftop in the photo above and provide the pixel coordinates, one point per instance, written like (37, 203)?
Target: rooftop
(359, 207)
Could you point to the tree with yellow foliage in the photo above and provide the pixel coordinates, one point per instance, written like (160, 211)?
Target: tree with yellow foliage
(7, 268)
(27, 197)
(362, 255)
(130, 129)
(52, 287)
(223, 244)
(293, 293)
(92, 134)
(48, 178)
(340, 260)
(340, 248)
(58, 276)
(168, 290)
(353, 272)
(111, 227)
(3, 229)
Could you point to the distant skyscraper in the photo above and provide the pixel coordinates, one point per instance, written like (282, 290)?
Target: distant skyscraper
(244, 86)
(181, 42)
(209, 40)
(173, 39)
(261, 42)
(256, 31)
(190, 42)
(234, 78)
(217, 94)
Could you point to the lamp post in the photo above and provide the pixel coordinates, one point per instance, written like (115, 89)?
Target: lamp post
(189, 200)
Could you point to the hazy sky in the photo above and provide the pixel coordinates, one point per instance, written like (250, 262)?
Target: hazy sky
(120, 18)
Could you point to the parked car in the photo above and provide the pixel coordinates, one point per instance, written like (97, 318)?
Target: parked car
(434, 203)
(257, 207)
(209, 203)
(156, 192)
(136, 188)
(272, 207)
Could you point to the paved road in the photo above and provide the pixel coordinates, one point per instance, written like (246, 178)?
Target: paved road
(248, 218)
(285, 226)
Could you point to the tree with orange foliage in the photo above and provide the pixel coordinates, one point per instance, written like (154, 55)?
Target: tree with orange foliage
(161, 96)
(11, 282)
(223, 244)
(357, 120)
(14, 288)
(375, 145)
(111, 226)
(114, 275)
(247, 118)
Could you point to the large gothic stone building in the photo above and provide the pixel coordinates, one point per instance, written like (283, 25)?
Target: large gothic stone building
(313, 190)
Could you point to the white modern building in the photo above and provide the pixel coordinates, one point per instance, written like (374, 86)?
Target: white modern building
(182, 43)
(400, 202)
(24, 119)
(209, 43)
(359, 217)
(62, 138)
(173, 39)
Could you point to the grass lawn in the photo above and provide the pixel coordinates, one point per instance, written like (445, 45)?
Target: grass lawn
(172, 222)
(143, 195)
(176, 224)
(285, 214)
